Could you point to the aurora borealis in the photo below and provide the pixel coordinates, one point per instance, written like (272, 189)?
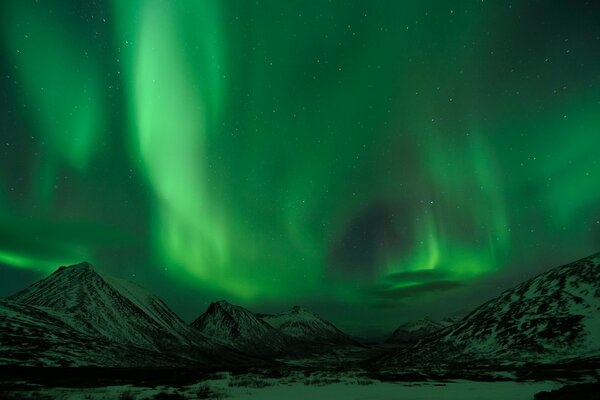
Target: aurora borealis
(372, 160)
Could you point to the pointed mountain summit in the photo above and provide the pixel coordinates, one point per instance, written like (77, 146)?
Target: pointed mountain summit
(550, 318)
(304, 325)
(240, 329)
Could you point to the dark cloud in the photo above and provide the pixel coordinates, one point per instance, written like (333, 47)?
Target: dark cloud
(371, 236)
(386, 304)
(388, 295)
(411, 276)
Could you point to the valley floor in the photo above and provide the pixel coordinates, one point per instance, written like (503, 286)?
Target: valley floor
(296, 385)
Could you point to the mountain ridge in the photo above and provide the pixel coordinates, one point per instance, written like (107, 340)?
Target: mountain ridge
(100, 307)
(551, 317)
(77, 316)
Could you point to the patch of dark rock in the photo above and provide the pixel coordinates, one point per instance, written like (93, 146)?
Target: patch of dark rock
(581, 391)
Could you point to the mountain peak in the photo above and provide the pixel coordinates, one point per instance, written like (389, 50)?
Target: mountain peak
(84, 265)
(302, 312)
(221, 305)
(239, 328)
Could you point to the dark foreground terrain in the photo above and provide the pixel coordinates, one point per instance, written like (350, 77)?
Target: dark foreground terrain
(550, 382)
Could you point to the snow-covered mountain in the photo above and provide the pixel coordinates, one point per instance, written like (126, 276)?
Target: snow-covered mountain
(552, 317)
(104, 306)
(292, 334)
(306, 326)
(240, 329)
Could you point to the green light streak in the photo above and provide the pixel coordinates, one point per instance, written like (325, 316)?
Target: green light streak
(26, 262)
(171, 132)
(61, 83)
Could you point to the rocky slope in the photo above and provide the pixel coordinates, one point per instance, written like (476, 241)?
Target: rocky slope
(35, 336)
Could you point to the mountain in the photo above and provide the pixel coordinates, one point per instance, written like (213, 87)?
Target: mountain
(413, 331)
(103, 306)
(80, 303)
(550, 318)
(240, 329)
(292, 335)
(306, 326)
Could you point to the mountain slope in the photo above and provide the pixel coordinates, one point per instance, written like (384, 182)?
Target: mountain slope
(240, 329)
(107, 307)
(552, 317)
(35, 336)
(306, 326)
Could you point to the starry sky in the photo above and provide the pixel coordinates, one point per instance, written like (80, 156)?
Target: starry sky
(374, 161)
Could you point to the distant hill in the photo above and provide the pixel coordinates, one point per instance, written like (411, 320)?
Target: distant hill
(413, 331)
(304, 325)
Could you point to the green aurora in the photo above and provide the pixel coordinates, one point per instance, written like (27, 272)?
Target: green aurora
(371, 160)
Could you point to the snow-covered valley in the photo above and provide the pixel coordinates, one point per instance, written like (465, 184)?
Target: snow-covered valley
(301, 385)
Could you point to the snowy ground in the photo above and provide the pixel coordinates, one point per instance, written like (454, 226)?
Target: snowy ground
(300, 386)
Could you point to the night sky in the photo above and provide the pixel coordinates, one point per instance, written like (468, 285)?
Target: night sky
(374, 161)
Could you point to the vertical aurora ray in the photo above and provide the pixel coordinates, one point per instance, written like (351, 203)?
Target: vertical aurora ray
(175, 100)
(59, 93)
(61, 83)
